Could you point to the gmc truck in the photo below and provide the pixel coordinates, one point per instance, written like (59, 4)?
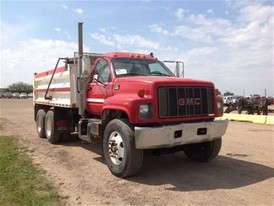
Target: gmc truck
(133, 102)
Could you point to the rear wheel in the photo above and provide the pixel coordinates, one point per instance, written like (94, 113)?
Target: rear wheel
(51, 135)
(121, 155)
(203, 152)
(40, 123)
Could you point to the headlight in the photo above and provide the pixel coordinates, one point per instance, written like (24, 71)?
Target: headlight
(144, 108)
(145, 111)
(220, 108)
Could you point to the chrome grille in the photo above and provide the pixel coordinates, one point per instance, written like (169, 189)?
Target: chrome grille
(185, 101)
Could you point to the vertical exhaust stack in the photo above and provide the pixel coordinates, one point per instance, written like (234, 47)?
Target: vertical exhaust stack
(80, 40)
(82, 94)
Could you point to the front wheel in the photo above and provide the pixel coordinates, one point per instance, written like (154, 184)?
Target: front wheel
(203, 152)
(120, 153)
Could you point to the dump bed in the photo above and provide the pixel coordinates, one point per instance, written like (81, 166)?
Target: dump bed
(61, 91)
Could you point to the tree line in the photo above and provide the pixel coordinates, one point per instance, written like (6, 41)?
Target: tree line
(20, 87)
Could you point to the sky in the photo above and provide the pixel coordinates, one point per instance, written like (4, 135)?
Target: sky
(228, 42)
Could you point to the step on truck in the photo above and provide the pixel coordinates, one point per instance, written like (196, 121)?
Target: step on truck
(132, 102)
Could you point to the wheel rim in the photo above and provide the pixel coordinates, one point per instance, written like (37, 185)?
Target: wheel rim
(116, 148)
(48, 127)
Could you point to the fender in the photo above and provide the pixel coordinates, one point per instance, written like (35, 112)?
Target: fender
(127, 103)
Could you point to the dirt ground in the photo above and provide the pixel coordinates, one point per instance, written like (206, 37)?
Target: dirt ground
(243, 173)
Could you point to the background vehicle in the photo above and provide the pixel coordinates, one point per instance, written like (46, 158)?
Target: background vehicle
(227, 100)
(15, 95)
(133, 103)
(271, 100)
(30, 95)
(7, 95)
(23, 95)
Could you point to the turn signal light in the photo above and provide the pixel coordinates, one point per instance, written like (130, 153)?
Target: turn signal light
(141, 93)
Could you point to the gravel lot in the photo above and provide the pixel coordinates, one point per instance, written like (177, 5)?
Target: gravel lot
(243, 173)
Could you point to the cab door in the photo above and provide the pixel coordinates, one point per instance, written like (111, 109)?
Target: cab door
(99, 87)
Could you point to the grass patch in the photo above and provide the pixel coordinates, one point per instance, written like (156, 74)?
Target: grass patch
(21, 182)
(1, 126)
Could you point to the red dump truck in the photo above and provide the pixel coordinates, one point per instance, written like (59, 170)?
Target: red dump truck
(133, 102)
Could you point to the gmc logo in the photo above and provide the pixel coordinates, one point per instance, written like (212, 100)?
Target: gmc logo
(189, 101)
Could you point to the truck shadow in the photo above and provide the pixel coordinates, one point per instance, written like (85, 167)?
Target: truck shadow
(227, 171)
(95, 146)
(181, 174)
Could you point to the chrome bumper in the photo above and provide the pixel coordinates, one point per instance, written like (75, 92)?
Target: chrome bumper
(179, 134)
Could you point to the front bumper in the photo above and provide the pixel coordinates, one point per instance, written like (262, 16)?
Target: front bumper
(179, 134)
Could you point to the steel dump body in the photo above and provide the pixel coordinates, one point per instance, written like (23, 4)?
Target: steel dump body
(62, 90)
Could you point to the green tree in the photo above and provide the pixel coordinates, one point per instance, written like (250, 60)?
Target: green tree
(228, 93)
(20, 87)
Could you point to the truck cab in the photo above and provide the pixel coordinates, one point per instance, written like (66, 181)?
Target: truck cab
(119, 75)
(127, 81)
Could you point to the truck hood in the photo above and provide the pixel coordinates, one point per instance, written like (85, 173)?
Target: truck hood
(164, 81)
(128, 85)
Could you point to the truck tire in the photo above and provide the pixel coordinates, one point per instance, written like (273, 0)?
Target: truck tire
(51, 135)
(203, 152)
(40, 123)
(120, 153)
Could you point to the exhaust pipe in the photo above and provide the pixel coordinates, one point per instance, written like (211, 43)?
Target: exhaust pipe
(80, 40)
(82, 91)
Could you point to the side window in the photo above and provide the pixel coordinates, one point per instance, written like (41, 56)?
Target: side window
(102, 72)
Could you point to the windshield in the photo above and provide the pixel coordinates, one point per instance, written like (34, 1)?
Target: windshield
(139, 67)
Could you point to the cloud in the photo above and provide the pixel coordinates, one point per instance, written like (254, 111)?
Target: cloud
(179, 13)
(34, 55)
(64, 32)
(11, 32)
(75, 10)
(108, 29)
(158, 29)
(136, 41)
(103, 39)
(197, 28)
(128, 41)
(225, 49)
(236, 5)
(194, 34)
(201, 51)
(64, 6)
(203, 21)
(255, 13)
(78, 11)
(253, 30)
(210, 11)
(57, 29)
(68, 35)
